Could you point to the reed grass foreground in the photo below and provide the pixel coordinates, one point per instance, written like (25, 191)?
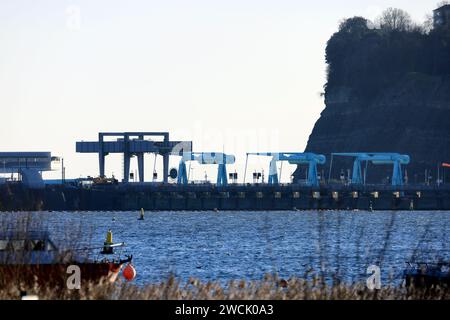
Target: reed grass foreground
(271, 287)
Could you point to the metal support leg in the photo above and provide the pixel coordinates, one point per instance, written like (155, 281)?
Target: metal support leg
(397, 178)
(182, 174)
(101, 162)
(357, 174)
(165, 167)
(222, 175)
(126, 167)
(126, 158)
(101, 156)
(273, 172)
(140, 157)
(312, 175)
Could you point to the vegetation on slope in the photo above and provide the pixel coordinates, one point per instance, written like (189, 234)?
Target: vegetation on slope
(371, 56)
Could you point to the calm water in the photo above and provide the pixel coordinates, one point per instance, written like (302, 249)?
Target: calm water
(235, 245)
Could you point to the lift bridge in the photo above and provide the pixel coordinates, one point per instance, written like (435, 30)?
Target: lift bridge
(395, 159)
(311, 159)
(134, 144)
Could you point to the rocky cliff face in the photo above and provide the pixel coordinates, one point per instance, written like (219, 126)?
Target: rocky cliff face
(412, 117)
(376, 108)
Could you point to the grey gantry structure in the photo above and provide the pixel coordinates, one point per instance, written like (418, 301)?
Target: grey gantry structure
(29, 165)
(134, 144)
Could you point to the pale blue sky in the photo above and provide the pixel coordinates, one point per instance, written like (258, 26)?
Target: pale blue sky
(239, 75)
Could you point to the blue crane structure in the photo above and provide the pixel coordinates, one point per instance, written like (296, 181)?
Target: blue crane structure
(376, 158)
(311, 159)
(219, 158)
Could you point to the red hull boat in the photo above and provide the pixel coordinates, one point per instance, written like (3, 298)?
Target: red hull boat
(33, 256)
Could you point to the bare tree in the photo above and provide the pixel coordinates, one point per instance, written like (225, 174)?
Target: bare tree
(428, 23)
(395, 19)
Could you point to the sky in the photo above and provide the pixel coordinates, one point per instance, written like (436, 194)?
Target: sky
(236, 76)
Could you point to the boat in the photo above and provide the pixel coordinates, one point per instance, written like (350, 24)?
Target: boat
(426, 275)
(33, 255)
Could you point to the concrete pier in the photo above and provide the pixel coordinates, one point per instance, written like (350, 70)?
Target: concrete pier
(171, 197)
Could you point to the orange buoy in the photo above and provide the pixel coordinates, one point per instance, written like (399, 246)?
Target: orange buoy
(129, 273)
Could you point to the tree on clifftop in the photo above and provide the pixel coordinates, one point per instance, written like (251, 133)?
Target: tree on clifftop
(393, 19)
(354, 25)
